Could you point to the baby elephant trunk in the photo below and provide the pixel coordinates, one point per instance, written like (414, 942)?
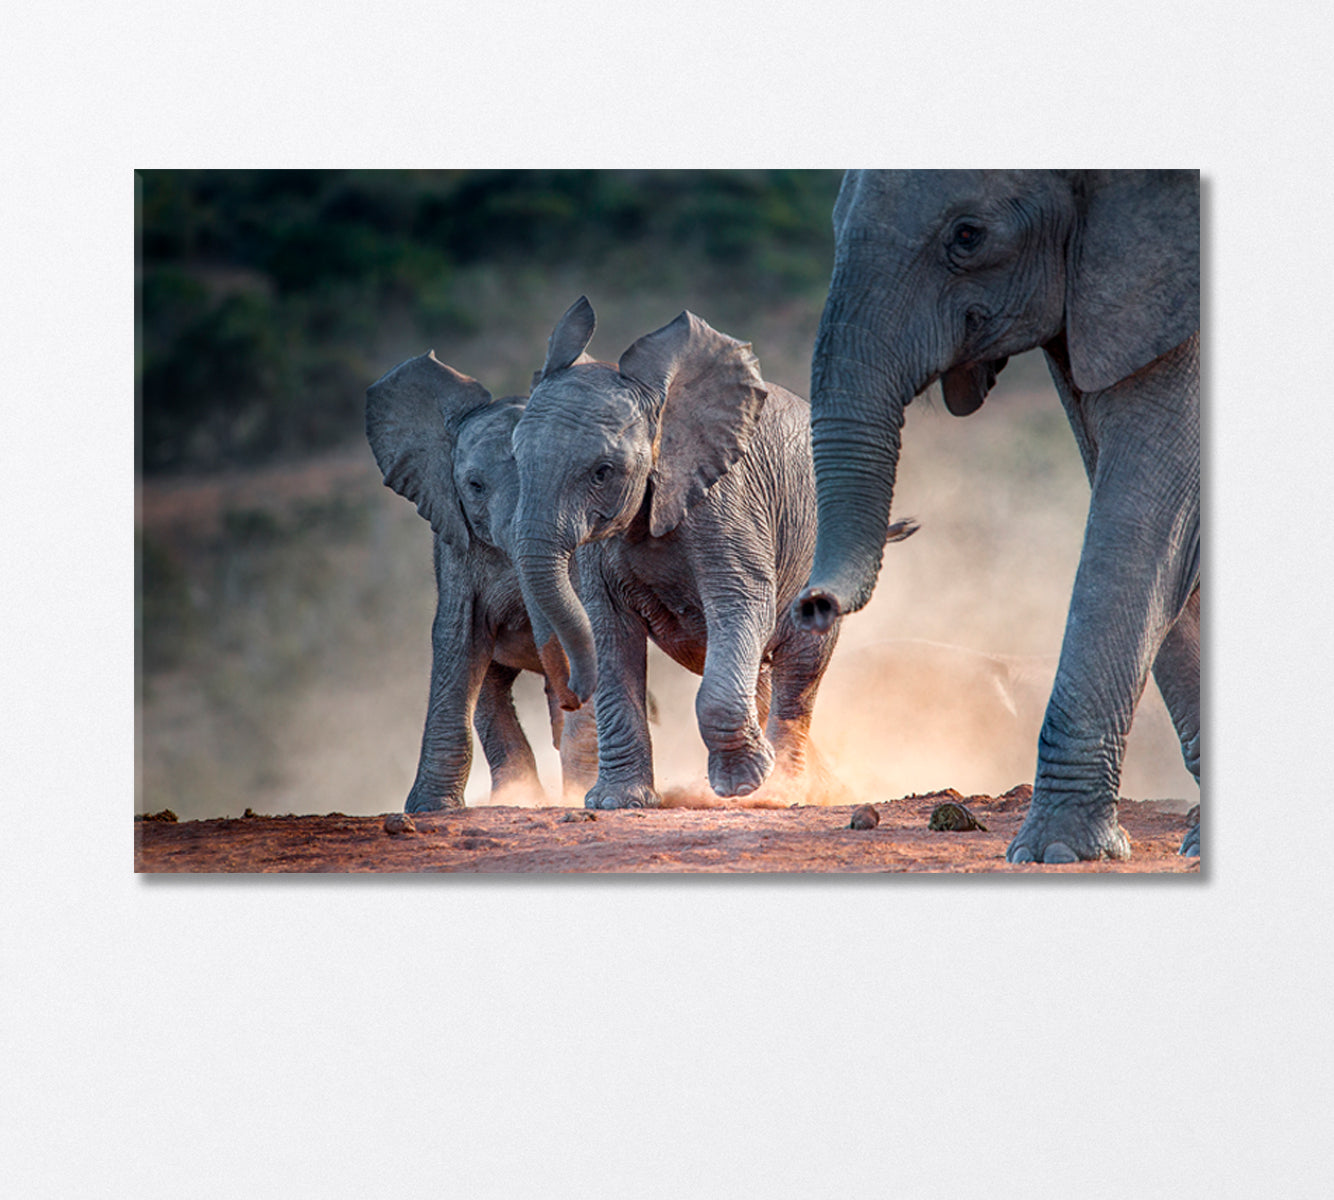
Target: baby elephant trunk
(544, 574)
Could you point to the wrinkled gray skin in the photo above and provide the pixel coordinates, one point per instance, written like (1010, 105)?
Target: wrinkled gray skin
(942, 275)
(442, 442)
(685, 482)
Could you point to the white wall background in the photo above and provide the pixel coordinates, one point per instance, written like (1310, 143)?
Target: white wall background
(651, 1037)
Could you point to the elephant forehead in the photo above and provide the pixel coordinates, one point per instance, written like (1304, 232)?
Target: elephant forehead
(487, 433)
(911, 201)
(594, 402)
(905, 199)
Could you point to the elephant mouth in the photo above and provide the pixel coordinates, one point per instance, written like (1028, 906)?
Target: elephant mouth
(965, 387)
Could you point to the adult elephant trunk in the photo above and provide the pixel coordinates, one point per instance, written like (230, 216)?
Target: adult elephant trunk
(544, 575)
(859, 390)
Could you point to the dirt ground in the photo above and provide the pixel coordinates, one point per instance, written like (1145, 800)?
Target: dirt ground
(287, 661)
(795, 840)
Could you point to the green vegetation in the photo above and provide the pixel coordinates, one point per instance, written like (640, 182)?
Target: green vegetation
(268, 300)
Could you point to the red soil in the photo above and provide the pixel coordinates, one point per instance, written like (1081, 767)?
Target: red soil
(670, 839)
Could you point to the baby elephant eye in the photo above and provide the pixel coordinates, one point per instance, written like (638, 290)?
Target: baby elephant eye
(477, 486)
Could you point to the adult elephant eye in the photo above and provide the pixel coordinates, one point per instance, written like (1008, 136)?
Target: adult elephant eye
(601, 473)
(967, 236)
(477, 486)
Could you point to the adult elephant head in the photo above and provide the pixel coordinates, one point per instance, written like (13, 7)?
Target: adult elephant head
(942, 275)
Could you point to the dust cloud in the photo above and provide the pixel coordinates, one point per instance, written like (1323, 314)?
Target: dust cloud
(307, 690)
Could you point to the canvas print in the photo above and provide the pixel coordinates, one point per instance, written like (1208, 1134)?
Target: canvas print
(668, 521)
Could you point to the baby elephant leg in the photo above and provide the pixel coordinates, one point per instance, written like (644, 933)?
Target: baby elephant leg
(801, 774)
(578, 754)
(624, 749)
(740, 756)
(764, 691)
(458, 670)
(513, 769)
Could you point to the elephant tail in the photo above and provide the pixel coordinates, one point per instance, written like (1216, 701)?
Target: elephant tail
(898, 530)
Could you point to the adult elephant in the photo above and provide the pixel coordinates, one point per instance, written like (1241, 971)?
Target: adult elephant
(943, 275)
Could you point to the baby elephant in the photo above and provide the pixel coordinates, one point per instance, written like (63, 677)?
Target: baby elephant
(444, 443)
(687, 481)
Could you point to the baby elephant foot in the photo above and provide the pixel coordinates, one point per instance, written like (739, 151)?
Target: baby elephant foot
(1068, 831)
(625, 795)
(740, 772)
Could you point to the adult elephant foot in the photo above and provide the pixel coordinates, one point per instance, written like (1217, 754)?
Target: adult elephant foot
(633, 795)
(1069, 831)
(741, 771)
(1190, 844)
(425, 799)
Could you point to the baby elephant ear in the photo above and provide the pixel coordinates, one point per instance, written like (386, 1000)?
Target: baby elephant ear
(572, 333)
(712, 398)
(412, 419)
(1133, 288)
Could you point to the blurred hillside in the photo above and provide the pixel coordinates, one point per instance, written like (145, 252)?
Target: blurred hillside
(268, 300)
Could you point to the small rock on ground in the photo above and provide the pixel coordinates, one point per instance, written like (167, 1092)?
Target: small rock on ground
(953, 818)
(865, 817)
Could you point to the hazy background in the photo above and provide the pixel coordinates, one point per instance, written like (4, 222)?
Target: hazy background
(285, 596)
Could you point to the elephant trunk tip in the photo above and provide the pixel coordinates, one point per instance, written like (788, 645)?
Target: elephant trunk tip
(582, 688)
(557, 668)
(816, 610)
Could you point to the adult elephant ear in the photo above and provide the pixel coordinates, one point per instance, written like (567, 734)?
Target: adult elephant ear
(565, 346)
(1133, 290)
(711, 395)
(413, 416)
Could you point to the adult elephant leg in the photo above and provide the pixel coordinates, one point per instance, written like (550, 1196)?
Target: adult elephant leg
(625, 752)
(740, 756)
(514, 777)
(1177, 673)
(1139, 567)
(459, 661)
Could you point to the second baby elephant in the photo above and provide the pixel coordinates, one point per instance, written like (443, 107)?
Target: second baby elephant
(442, 442)
(685, 483)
